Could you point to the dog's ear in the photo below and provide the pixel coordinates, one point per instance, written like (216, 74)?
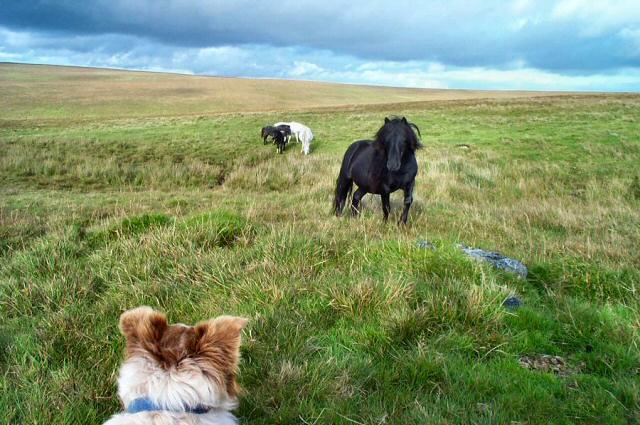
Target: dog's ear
(143, 324)
(220, 335)
(218, 346)
(386, 120)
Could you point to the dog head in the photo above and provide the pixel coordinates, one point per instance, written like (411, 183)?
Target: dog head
(179, 366)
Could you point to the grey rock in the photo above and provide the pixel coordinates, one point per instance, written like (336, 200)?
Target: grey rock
(496, 259)
(426, 245)
(512, 303)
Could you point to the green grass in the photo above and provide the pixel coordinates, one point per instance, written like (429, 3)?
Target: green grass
(350, 322)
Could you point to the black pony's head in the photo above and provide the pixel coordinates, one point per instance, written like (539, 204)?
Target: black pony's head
(267, 130)
(397, 137)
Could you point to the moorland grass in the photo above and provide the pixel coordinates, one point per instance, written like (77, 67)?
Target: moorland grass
(52, 93)
(350, 322)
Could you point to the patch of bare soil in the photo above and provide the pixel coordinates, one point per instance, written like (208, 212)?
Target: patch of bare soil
(546, 363)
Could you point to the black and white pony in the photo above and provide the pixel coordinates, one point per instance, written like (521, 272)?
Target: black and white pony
(302, 133)
(380, 166)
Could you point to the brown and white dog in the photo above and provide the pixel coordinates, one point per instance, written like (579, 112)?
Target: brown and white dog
(178, 374)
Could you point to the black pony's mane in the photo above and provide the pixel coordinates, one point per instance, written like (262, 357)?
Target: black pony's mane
(391, 124)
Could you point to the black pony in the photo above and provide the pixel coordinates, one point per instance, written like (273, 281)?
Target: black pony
(285, 130)
(280, 141)
(279, 135)
(267, 132)
(380, 166)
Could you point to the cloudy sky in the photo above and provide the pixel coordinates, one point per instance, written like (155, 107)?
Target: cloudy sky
(520, 44)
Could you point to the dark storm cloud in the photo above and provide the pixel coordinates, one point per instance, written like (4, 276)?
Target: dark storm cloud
(544, 35)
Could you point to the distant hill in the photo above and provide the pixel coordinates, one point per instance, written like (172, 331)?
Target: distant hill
(45, 91)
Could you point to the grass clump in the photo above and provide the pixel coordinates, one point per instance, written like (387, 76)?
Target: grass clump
(215, 229)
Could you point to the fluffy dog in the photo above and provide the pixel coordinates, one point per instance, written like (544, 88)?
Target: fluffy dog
(178, 374)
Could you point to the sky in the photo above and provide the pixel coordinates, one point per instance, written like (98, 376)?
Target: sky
(519, 44)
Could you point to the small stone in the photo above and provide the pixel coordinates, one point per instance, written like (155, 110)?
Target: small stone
(426, 245)
(512, 303)
(482, 407)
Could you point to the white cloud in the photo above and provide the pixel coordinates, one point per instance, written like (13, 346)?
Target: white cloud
(519, 24)
(632, 35)
(520, 6)
(567, 8)
(598, 17)
(302, 69)
(295, 63)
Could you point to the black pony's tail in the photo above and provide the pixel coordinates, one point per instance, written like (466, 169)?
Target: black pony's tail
(344, 186)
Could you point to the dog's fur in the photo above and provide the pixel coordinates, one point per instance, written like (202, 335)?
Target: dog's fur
(179, 366)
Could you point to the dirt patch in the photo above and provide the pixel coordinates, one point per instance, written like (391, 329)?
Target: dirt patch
(546, 363)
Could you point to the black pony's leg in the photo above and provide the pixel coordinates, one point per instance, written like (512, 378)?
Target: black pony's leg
(386, 205)
(355, 201)
(408, 200)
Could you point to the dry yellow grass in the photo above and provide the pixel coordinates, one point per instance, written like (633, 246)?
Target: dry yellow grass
(89, 93)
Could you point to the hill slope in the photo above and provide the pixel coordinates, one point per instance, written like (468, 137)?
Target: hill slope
(41, 91)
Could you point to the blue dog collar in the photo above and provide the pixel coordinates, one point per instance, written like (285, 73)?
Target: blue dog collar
(144, 404)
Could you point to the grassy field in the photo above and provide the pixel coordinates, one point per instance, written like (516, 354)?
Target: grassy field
(167, 197)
